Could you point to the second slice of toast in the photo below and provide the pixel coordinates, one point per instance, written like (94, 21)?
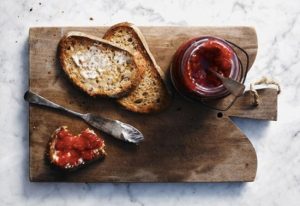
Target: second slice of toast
(151, 94)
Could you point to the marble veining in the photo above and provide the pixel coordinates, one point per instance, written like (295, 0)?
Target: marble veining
(277, 143)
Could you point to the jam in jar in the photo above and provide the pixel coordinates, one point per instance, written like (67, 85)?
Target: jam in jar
(193, 61)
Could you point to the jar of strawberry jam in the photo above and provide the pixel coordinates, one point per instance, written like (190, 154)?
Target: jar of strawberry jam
(193, 61)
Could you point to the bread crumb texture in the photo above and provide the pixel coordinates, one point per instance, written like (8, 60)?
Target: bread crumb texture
(151, 94)
(96, 67)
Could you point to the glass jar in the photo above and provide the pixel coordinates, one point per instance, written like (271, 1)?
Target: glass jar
(192, 62)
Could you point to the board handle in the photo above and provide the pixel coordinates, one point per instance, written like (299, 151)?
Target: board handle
(266, 110)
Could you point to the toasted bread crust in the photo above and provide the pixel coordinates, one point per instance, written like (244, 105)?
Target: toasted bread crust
(51, 150)
(84, 39)
(153, 73)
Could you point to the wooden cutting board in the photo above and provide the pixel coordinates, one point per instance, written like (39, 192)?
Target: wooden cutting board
(185, 143)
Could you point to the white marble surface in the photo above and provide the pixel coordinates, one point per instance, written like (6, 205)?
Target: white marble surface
(277, 143)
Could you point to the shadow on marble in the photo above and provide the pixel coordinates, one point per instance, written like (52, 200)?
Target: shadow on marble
(252, 128)
(132, 190)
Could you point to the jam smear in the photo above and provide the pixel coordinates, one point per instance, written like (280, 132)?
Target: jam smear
(74, 150)
(210, 55)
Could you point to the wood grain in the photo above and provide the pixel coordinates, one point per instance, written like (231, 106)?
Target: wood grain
(185, 143)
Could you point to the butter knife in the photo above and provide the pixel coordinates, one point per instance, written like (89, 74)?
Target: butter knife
(115, 128)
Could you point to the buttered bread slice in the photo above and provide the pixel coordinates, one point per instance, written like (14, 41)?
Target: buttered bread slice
(151, 95)
(98, 67)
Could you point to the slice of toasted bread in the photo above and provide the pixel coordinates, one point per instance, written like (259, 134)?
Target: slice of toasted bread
(97, 66)
(151, 95)
(68, 152)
